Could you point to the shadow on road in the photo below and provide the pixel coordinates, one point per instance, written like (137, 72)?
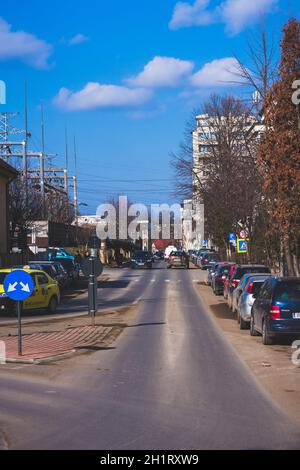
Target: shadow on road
(222, 310)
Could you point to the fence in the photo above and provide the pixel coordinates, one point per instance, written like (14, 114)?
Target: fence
(7, 260)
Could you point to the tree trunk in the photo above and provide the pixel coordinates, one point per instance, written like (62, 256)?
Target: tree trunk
(288, 257)
(296, 265)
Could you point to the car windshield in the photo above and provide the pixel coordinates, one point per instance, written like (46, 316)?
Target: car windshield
(251, 269)
(288, 291)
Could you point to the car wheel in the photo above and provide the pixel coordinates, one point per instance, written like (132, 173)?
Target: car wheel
(52, 306)
(266, 339)
(253, 331)
(243, 324)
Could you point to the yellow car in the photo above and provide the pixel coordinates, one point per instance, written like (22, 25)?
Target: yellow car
(45, 294)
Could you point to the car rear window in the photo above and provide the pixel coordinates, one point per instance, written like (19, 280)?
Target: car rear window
(257, 286)
(48, 269)
(251, 269)
(67, 264)
(223, 270)
(288, 291)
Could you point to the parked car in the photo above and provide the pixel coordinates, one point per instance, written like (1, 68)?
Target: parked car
(208, 259)
(158, 255)
(240, 270)
(70, 267)
(45, 295)
(211, 273)
(56, 252)
(46, 266)
(239, 289)
(227, 280)
(141, 259)
(276, 310)
(220, 277)
(55, 269)
(178, 259)
(251, 286)
(199, 254)
(169, 250)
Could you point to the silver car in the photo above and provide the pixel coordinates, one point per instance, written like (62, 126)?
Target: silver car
(251, 286)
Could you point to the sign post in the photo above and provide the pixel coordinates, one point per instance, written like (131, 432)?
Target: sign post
(92, 268)
(18, 285)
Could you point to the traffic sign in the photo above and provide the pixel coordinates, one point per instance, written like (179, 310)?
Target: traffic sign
(204, 243)
(18, 285)
(232, 237)
(243, 234)
(242, 245)
(92, 266)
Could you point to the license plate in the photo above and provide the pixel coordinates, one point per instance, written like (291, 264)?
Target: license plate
(296, 315)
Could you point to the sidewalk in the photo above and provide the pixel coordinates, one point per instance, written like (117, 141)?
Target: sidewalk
(49, 345)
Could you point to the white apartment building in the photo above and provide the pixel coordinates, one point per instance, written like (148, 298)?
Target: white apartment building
(204, 138)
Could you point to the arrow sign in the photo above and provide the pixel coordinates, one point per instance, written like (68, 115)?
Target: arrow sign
(12, 287)
(25, 287)
(18, 285)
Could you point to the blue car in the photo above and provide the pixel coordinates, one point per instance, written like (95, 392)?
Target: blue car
(276, 310)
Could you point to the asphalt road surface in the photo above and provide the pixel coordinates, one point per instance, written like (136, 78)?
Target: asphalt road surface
(170, 381)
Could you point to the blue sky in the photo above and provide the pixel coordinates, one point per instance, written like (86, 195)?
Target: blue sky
(124, 78)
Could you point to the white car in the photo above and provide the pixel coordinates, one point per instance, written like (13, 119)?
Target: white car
(169, 250)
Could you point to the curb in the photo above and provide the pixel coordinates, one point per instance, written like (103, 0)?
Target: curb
(62, 316)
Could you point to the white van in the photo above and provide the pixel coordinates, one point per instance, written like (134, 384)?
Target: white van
(169, 250)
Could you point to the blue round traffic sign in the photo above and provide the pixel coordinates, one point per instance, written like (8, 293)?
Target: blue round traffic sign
(18, 285)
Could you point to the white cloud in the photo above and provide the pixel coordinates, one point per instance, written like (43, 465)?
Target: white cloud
(77, 39)
(162, 72)
(186, 14)
(235, 14)
(95, 95)
(23, 46)
(219, 72)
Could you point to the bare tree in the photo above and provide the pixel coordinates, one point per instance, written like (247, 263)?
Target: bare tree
(225, 178)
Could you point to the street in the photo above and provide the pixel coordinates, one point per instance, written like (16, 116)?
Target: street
(170, 381)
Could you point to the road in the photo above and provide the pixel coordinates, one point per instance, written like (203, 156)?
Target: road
(171, 381)
(119, 290)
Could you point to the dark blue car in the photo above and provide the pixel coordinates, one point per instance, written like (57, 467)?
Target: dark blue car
(276, 310)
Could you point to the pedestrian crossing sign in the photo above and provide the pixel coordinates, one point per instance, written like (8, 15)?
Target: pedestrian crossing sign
(242, 245)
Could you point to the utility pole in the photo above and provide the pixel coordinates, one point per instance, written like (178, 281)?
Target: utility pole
(66, 171)
(25, 162)
(42, 163)
(75, 184)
